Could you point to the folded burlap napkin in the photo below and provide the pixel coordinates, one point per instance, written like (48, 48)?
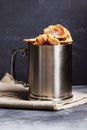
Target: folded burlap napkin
(15, 96)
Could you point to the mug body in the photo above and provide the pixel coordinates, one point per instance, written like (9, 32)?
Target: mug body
(50, 72)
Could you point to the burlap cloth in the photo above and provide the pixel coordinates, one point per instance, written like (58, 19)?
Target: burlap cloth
(15, 96)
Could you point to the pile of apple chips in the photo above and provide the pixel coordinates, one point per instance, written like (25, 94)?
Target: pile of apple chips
(52, 35)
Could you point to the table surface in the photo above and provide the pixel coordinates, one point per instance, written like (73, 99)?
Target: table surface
(69, 119)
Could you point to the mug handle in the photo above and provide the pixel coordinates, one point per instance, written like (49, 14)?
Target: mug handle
(13, 58)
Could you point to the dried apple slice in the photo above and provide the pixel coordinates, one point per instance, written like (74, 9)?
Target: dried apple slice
(41, 39)
(52, 40)
(29, 40)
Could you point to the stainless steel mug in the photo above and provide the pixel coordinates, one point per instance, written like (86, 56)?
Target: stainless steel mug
(50, 71)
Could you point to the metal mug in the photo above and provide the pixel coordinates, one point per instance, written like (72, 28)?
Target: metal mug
(50, 71)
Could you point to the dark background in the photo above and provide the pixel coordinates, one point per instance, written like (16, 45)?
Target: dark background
(21, 19)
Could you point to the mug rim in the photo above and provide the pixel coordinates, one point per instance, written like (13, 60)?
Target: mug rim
(50, 45)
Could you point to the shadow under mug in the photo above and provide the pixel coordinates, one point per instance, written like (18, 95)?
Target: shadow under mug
(50, 71)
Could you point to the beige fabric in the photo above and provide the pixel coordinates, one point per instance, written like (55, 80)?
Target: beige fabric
(15, 96)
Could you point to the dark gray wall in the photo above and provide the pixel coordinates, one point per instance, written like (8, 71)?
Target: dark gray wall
(21, 19)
